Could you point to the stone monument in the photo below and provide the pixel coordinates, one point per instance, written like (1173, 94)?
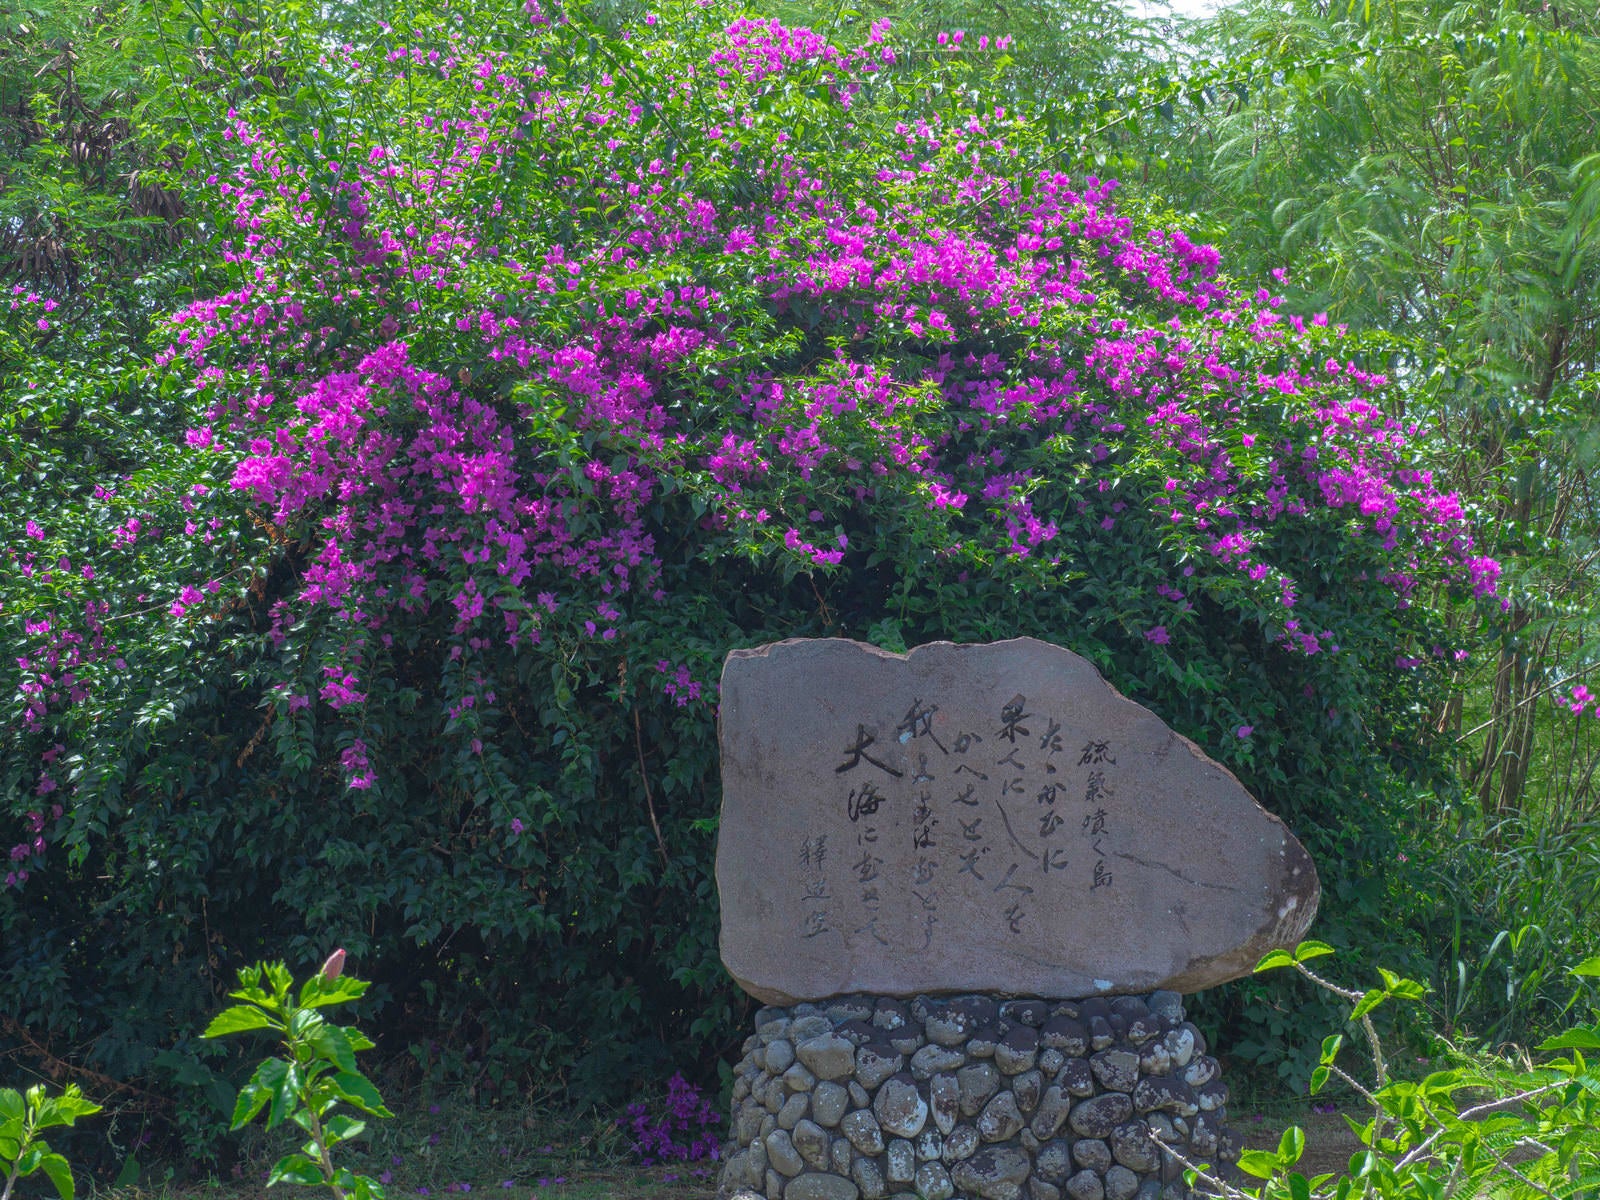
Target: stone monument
(970, 883)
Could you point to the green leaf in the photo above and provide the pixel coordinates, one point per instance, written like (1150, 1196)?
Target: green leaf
(1291, 1145)
(252, 1099)
(355, 1088)
(1274, 959)
(60, 1173)
(1589, 966)
(1306, 951)
(1582, 1037)
(1367, 1003)
(1319, 1079)
(238, 1019)
(1258, 1163)
(295, 1168)
(341, 1128)
(1330, 1048)
(333, 1043)
(285, 1095)
(1299, 1187)
(318, 992)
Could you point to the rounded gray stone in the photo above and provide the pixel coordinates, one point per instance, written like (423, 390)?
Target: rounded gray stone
(1099, 1115)
(1017, 1051)
(768, 1124)
(804, 1028)
(1051, 1060)
(869, 1178)
(875, 1063)
(1200, 1071)
(1038, 1189)
(798, 1078)
(930, 1145)
(778, 1056)
(756, 1163)
(900, 1108)
(1212, 1096)
(1052, 1112)
(811, 1142)
(982, 1043)
(1131, 1146)
(1101, 1034)
(828, 1056)
(890, 1014)
(848, 1009)
(1000, 1119)
(961, 1142)
(907, 1040)
(858, 1033)
(1053, 1160)
(794, 1108)
(781, 1154)
(1149, 1189)
(976, 1082)
(770, 1015)
(747, 1124)
(840, 1152)
(1092, 1154)
(900, 1161)
(770, 1095)
(933, 1182)
(1142, 1029)
(1154, 1060)
(1026, 1088)
(932, 1059)
(862, 1128)
(858, 1094)
(995, 1173)
(1166, 1007)
(828, 1103)
(1117, 1070)
(1067, 1034)
(1121, 1184)
(821, 1187)
(1075, 1077)
(1025, 1012)
(951, 1026)
(1164, 1093)
(774, 1187)
(944, 1101)
(1086, 1185)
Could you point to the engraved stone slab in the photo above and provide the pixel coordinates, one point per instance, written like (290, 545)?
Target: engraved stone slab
(981, 818)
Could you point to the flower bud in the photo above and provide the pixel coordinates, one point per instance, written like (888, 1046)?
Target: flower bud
(335, 964)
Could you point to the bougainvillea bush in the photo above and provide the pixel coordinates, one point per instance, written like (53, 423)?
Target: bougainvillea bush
(534, 368)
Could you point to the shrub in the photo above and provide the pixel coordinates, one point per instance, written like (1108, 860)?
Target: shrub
(540, 368)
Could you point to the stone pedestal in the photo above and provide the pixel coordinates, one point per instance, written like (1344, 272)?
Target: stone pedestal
(865, 1097)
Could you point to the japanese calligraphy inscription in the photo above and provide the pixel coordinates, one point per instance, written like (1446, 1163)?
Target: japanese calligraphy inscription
(989, 818)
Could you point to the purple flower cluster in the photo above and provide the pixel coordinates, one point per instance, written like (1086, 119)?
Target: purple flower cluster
(1010, 359)
(681, 1133)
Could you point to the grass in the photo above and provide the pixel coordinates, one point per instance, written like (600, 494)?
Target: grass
(442, 1151)
(447, 1149)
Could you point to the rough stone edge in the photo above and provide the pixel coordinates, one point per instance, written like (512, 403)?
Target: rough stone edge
(1298, 880)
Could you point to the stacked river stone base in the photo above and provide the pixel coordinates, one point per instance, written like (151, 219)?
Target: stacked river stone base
(861, 1098)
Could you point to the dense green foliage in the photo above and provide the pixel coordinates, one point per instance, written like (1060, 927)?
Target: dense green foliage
(520, 368)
